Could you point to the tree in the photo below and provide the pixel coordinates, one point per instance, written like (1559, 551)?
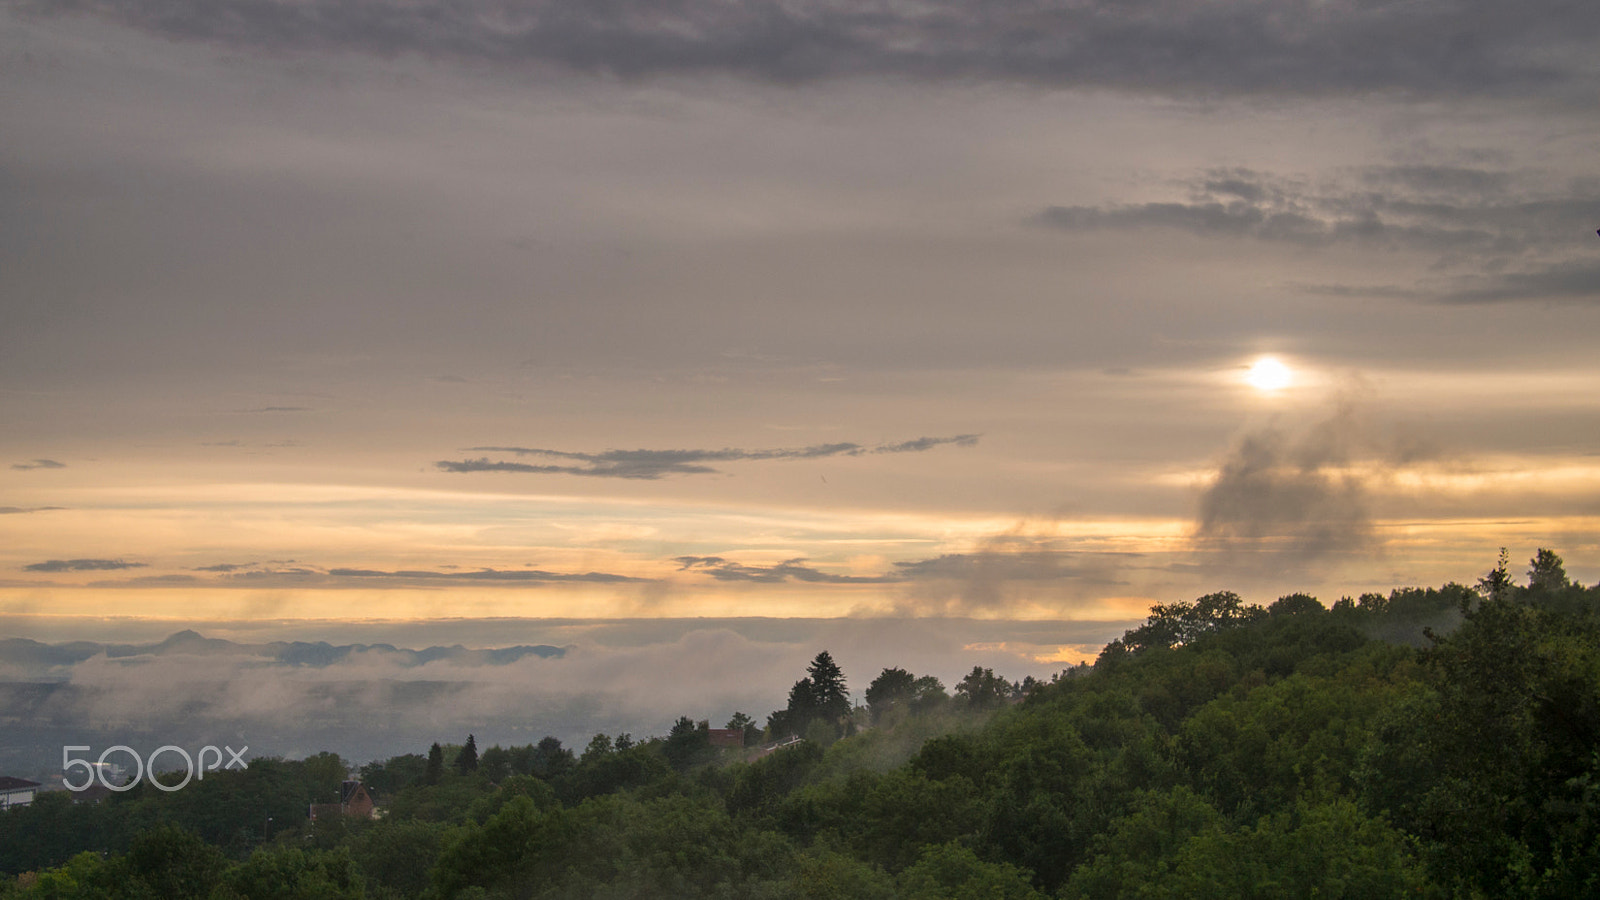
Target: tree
(688, 743)
(794, 718)
(1497, 584)
(892, 688)
(1546, 572)
(744, 723)
(927, 693)
(982, 689)
(293, 873)
(954, 872)
(435, 769)
(170, 862)
(599, 745)
(1177, 624)
(829, 693)
(821, 696)
(467, 759)
(1295, 604)
(550, 758)
(495, 763)
(388, 777)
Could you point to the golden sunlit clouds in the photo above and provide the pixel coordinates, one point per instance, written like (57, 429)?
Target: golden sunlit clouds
(1269, 374)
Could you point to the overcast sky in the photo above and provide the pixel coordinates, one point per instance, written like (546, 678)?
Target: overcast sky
(364, 310)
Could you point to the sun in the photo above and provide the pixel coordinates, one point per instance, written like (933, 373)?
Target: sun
(1269, 374)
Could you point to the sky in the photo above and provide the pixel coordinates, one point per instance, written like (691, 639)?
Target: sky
(338, 317)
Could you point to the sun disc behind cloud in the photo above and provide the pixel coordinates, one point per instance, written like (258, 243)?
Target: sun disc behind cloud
(1269, 374)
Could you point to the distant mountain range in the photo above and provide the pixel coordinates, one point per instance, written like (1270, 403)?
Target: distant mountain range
(36, 661)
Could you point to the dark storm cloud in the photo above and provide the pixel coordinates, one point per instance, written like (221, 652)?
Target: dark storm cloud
(1441, 47)
(727, 570)
(1513, 243)
(653, 464)
(39, 464)
(82, 565)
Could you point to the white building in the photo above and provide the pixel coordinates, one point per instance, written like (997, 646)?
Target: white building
(16, 791)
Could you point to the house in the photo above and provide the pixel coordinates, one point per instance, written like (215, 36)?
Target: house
(16, 791)
(726, 737)
(353, 801)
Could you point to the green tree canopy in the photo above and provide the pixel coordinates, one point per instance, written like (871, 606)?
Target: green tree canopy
(1546, 572)
(892, 688)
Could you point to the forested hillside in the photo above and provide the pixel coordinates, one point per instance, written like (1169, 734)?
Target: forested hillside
(1433, 742)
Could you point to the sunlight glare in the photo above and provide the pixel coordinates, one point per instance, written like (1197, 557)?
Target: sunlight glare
(1268, 374)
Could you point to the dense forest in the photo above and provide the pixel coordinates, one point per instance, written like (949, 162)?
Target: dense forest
(1433, 742)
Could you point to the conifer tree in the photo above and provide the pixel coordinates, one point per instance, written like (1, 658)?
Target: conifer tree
(829, 695)
(435, 768)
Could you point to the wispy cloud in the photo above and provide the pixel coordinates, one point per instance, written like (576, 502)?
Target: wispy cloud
(177, 578)
(1007, 570)
(653, 464)
(989, 578)
(727, 570)
(82, 565)
(17, 510)
(225, 567)
(1539, 47)
(1436, 209)
(39, 464)
(520, 576)
(289, 574)
(1503, 240)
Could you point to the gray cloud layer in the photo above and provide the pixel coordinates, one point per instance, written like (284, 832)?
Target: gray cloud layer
(727, 570)
(1436, 48)
(81, 565)
(17, 510)
(653, 464)
(39, 464)
(479, 575)
(287, 574)
(1009, 569)
(984, 580)
(1515, 243)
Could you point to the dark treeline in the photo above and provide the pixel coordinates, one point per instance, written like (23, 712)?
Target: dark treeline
(1432, 742)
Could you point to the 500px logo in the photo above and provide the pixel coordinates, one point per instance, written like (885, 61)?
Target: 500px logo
(97, 770)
